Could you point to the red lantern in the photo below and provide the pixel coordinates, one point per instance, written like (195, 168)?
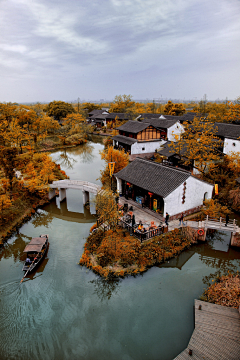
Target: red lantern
(150, 193)
(128, 184)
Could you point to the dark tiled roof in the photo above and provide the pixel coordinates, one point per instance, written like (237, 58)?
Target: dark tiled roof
(99, 116)
(96, 112)
(124, 139)
(133, 126)
(150, 116)
(166, 150)
(121, 116)
(157, 178)
(230, 131)
(161, 123)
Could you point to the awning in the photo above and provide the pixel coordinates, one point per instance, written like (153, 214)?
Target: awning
(35, 244)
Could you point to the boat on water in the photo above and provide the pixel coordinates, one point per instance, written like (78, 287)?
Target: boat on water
(36, 250)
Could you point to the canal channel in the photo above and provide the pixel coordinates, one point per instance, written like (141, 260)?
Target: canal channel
(64, 311)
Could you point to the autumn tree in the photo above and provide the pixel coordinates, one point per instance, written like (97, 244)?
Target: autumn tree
(112, 155)
(8, 158)
(123, 104)
(198, 146)
(90, 106)
(106, 207)
(174, 109)
(233, 113)
(59, 109)
(225, 173)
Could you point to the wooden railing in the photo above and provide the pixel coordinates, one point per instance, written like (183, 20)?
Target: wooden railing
(142, 236)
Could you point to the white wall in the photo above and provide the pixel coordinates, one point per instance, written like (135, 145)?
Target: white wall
(229, 147)
(148, 146)
(194, 195)
(119, 185)
(174, 130)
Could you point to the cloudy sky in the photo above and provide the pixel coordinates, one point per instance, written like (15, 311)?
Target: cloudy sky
(96, 49)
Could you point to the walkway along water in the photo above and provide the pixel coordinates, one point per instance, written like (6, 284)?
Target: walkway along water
(216, 335)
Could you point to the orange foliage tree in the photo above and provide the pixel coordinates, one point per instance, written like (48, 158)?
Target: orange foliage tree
(121, 160)
(198, 146)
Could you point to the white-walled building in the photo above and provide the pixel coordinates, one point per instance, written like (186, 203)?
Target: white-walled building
(230, 134)
(145, 137)
(163, 188)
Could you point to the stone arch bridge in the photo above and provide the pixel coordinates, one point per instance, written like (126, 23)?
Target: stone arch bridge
(63, 185)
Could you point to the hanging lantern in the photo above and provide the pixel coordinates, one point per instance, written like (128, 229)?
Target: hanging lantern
(150, 193)
(128, 184)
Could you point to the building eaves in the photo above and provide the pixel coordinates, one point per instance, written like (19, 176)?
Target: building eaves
(133, 126)
(124, 139)
(156, 178)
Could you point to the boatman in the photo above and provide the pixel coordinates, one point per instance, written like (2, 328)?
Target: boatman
(28, 261)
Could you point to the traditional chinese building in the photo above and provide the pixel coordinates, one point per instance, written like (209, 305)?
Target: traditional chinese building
(144, 137)
(163, 188)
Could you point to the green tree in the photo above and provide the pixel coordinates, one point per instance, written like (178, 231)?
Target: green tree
(59, 109)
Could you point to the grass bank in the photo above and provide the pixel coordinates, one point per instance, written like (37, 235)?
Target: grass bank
(117, 254)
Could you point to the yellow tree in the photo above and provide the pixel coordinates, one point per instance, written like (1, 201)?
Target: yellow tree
(198, 146)
(8, 158)
(174, 109)
(73, 119)
(112, 155)
(123, 104)
(233, 113)
(106, 207)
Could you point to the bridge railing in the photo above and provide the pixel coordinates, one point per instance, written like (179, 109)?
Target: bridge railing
(220, 222)
(81, 183)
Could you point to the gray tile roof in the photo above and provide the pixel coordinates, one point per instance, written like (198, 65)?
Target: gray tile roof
(157, 178)
(166, 150)
(99, 116)
(162, 123)
(150, 116)
(121, 116)
(124, 139)
(230, 131)
(133, 126)
(96, 112)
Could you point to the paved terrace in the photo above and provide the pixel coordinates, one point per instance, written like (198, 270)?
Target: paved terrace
(146, 216)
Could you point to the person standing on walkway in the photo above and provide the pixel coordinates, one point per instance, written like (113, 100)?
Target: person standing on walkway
(143, 201)
(181, 220)
(227, 219)
(126, 194)
(166, 219)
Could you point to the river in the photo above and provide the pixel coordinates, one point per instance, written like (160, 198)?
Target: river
(66, 312)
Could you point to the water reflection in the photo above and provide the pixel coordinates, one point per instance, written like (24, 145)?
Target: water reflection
(105, 288)
(215, 253)
(42, 218)
(66, 158)
(64, 214)
(15, 249)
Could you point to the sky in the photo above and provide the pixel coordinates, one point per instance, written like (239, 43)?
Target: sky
(96, 49)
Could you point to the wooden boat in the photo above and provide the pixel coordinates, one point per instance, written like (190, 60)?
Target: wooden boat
(36, 250)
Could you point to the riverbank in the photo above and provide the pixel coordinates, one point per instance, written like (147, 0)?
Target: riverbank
(27, 194)
(114, 254)
(25, 210)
